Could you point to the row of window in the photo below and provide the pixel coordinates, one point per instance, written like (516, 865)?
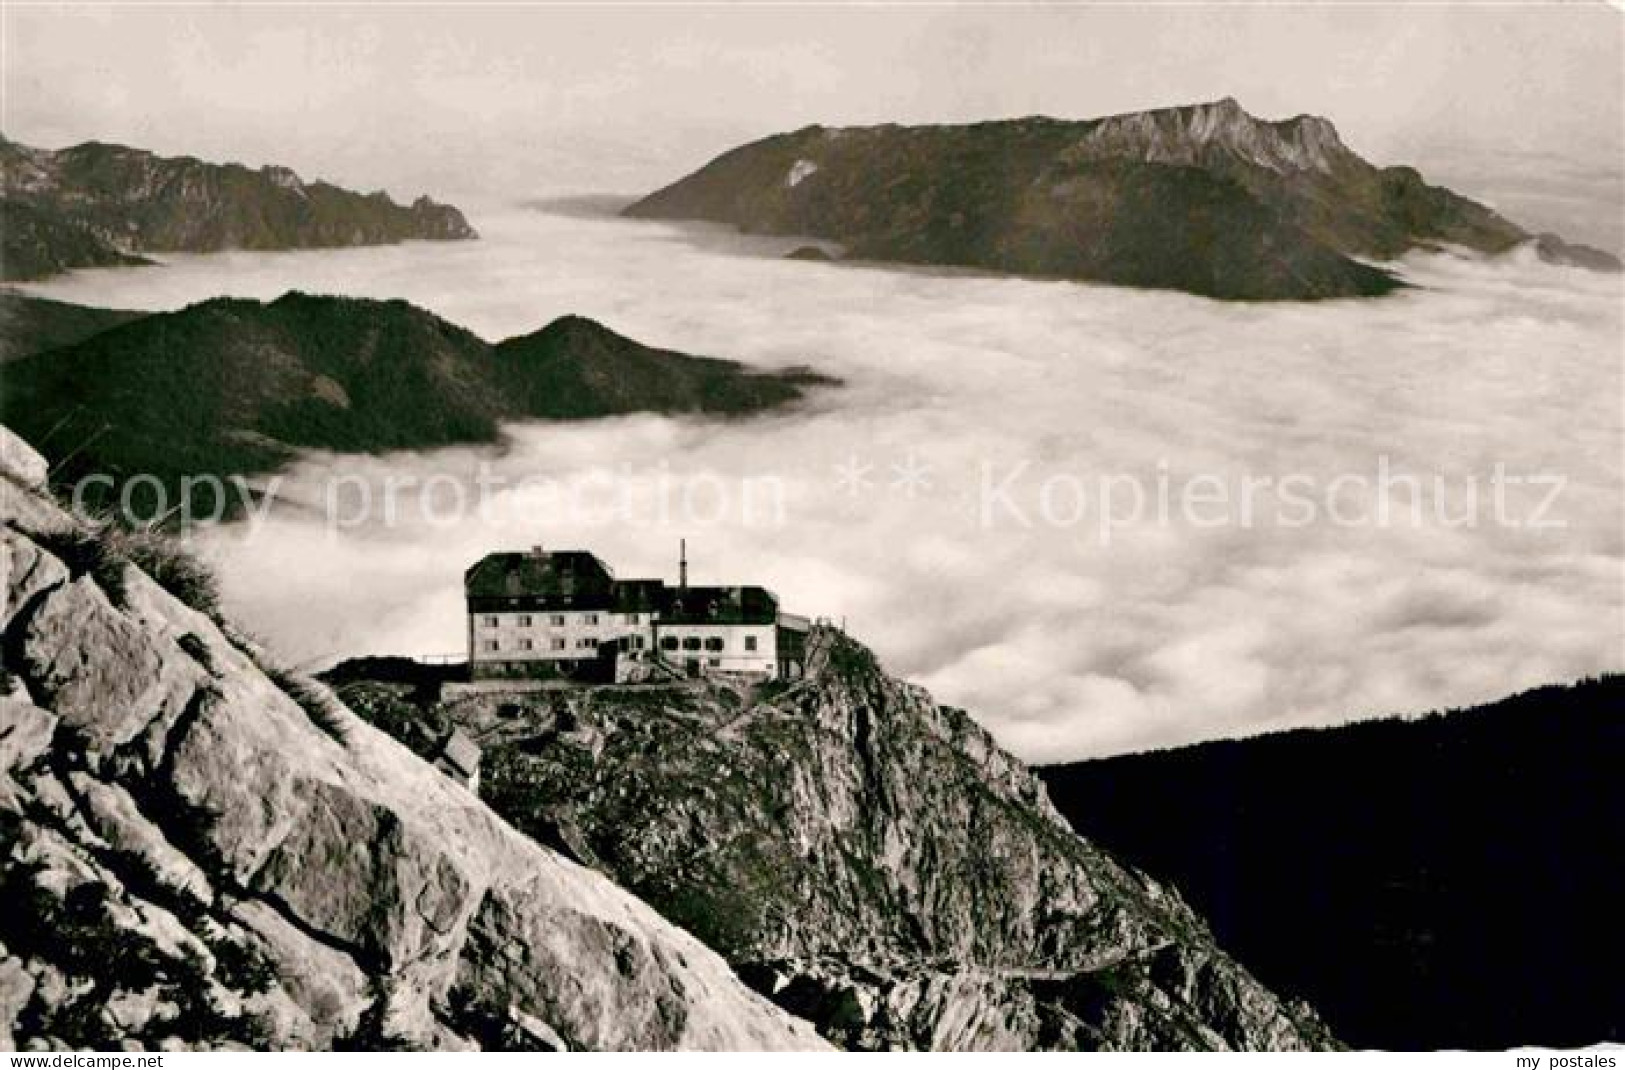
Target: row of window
(493, 645)
(558, 643)
(556, 620)
(692, 642)
(713, 643)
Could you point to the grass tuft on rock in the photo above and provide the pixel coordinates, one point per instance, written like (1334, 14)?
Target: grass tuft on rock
(174, 568)
(317, 702)
(92, 553)
(103, 551)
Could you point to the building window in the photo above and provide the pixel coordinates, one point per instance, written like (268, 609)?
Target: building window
(714, 643)
(637, 642)
(526, 644)
(668, 642)
(524, 620)
(491, 622)
(558, 642)
(691, 642)
(588, 643)
(557, 620)
(591, 619)
(715, 663)
(750, 643)
(490, 645)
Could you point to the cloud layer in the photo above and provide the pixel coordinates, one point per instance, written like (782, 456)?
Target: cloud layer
(1065, 643)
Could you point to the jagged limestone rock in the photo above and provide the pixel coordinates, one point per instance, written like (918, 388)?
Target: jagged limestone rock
(16, 989)
(19, 460)
(24, 571)
(102, 674)
(871, 860)
(25, 730)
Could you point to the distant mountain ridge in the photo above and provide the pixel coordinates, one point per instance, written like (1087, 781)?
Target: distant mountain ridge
(1204, 198)
(232, 386)
(101, 205)
(1452, 881)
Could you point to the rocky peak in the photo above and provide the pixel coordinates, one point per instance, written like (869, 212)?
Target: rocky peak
(869, 859)
(25, 170)
(1192, 134)
(571, 329)
(286, 177)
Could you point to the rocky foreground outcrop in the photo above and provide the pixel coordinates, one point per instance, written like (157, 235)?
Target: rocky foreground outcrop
(195, 852)
(869, 859)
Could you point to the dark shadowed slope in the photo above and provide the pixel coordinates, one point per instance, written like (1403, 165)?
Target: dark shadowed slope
(238, 387)
(1206, 199)
(37, 241)
(98, 205)
(30, 325)
(576, 368)
(1448, 882)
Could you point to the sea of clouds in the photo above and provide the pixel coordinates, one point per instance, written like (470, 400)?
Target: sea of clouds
(966, 501)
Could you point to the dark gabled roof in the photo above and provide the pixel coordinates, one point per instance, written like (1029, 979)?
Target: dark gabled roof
(640, 596)
(576, 579)
(720, 605)
(573, 575)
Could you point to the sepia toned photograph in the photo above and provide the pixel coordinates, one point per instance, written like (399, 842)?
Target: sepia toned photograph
(826, 527)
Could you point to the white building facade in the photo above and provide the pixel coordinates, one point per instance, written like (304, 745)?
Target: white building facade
(565, 614)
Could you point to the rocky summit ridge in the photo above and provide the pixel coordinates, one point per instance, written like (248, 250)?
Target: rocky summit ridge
(1189, 136)
(868, 858)
(103, 205)
(1205, 198)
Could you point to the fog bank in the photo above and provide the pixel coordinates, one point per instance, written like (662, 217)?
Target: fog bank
(947, 502)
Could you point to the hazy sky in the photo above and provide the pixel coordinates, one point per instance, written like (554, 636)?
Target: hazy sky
(465, 99)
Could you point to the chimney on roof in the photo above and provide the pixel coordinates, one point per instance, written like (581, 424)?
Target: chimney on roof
(682, 564)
